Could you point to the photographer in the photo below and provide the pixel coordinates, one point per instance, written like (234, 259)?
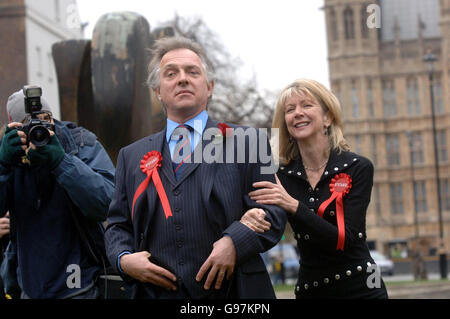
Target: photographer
(57, 195)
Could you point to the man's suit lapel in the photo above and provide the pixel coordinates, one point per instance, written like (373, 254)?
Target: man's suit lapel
(145, 209)
(158, 143)
(167, 168)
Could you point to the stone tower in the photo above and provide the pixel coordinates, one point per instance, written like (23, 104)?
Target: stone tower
(375, 52)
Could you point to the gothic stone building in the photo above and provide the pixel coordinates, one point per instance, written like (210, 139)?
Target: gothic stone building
(375, 53)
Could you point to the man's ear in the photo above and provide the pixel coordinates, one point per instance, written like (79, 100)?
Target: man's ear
(210, 88)
(158, 93)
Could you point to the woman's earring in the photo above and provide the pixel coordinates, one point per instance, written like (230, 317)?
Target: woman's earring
(291, 139)
(327, 130)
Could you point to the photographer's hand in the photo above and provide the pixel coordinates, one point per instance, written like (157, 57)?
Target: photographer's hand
(13, 144)
(49, 155)
(4, 225)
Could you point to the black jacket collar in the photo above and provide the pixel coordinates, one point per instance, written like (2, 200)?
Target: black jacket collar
(337, 163)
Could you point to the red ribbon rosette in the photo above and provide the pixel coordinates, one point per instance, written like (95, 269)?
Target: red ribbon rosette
(149, 166)
(340, 185)
(223, 129)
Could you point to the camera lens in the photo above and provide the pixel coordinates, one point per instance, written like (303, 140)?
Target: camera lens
(39, 135)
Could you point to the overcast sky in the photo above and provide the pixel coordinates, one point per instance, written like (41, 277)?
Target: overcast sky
(280, 40)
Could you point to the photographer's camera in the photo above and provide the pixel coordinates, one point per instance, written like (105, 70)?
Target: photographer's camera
(35, 129)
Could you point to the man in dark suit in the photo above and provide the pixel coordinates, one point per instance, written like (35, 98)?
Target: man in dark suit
(174, 227)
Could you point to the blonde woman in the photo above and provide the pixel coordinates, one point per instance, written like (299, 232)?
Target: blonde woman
(326, 189)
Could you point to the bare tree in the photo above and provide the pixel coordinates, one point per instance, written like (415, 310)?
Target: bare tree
(235, 99)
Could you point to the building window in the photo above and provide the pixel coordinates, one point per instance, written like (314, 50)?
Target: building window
(358, 149)
(437, 95)
(375, 204)
(336, 88)
(441, 136)
(412, 92)
(389, 100)
(420, 197)
(416, 148)
(396, 194)
(364, 28)
(333, 25)
(374, 149)
(392, 149)
(355, 104)
(377, 200)
(370, 98)
(445, 194)
(349, 26)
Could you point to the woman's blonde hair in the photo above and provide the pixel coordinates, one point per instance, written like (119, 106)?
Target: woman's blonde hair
(288, 149)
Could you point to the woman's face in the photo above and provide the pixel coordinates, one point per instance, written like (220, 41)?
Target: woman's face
(305, 119)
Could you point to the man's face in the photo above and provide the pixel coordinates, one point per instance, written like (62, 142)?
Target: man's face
(183, 88)
(45, 116)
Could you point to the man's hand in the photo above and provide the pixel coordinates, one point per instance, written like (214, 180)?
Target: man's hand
(139, 267)
(254, 219)
(50, 155)
(13, 144)
(4, 225)
(220, 262)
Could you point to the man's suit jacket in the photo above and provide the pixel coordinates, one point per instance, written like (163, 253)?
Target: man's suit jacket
(230, 184)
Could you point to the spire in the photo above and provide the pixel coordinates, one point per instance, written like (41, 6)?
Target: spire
(397, 38)
(420, 27)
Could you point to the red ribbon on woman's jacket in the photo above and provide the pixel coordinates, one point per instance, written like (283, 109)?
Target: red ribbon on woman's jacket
(340, 185)
(149, 166)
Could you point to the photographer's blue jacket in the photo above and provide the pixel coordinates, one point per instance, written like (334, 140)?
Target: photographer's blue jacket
(53, 262)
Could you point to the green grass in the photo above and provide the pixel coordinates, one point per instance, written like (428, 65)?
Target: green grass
(414, 282)
(281, 287)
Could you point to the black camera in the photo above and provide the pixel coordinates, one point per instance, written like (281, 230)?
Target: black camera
(36, 129)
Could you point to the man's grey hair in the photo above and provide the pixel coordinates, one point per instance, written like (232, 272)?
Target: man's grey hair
(164, 45)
